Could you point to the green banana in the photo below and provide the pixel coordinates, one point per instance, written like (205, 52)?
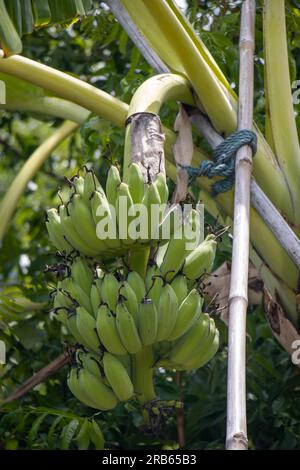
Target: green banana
(71, 324)
(167, 312)
(91, 391)
(174, 256)
(127, 330)
(77, 390)
(84, 224)
(180, 287)
(95, 299)
(82, 274)
(152, 203)
(90, 362)
(183, 349)
(188, 312)
(72, 236)
(86, 326)
(155, 290)
(137, 284)
(90, 185)
(104, 218)
(78, 184)
(55, 231)
(204, 354)
(110, 291)
(130, 299)
(124, 203)
(117, 377)
(162, 187)
(152, 272)
(147, 322)
(78, 294)
(200, 260)
(61, 305)
(113, 181)
(41, 13)
(136, 183)
(108, 332)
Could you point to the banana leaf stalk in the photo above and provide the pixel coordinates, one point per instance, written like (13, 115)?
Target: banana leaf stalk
(236, 438)
(259, 201)
(28, 171)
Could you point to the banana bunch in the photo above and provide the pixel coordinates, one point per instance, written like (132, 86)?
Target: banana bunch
(102, 224)
(123, 314)
(19, 17)
(100, 380)
(116, 315)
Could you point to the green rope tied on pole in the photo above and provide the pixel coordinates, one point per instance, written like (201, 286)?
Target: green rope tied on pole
(223, 163)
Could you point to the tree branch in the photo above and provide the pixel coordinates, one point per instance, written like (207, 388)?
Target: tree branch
(38, 378)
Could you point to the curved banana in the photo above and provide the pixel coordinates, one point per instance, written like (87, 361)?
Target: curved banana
(78, 184)
(90, 362)
(152, 202)
(162, 187)
(98, 395)
(174, 256)
(56, 232)
(183, 349)
(147, 322)
(188, 312)
(113, 181)
(117, 377)
(136, 183)
(203, 356)
(77, 390)
(108, 332)
(110, 291)
(137, 284)
(124, 203)
(127, 330)
(82, 274)
(130, 299)
(84, 224)
(86, 326)
(95, 299)
(180, 287)
(91, 184)
(77, 293)
(105, 220)
(72, 236)
(167, 312)
(71, 324)
(200, 260)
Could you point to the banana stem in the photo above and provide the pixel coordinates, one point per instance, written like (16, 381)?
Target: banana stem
(143, 375)
(138, 260)
(149, 98)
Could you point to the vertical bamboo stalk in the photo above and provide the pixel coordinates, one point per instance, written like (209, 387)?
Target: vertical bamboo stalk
(236, 438)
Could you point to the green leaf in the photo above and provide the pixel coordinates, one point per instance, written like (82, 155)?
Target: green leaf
(96, 435)
(68, 433)
(83, 438)
(51, 433)
(35, 428)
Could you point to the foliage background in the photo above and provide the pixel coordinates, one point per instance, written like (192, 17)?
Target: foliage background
(97, 50)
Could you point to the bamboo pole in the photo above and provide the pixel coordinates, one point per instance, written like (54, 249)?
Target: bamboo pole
(236, 438)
